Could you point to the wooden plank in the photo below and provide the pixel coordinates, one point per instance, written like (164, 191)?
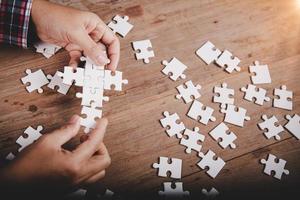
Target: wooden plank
(268, 32)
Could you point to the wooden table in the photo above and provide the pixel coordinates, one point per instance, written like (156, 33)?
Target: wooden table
(263, 30)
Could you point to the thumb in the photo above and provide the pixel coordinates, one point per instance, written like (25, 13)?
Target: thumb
(90, 47)
(67, 132)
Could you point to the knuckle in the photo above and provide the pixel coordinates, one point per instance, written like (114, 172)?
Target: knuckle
(107, 161)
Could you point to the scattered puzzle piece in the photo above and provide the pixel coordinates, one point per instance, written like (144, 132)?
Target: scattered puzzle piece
(284, 100)
(271, 127)
(173, 191)
(201, 113)
(262, 74)
(273, 164)
(171, 125)
(92, 95)
(174, 69)
(228, 61)
(213, 193)
(165, 165)
(71, 75)
(192, 140)
(32, 135)
(208, 52)
(120, 25)
(115, 80)
(220, 132)
(224, 95)
(57, 81)
(252, 92)
(214, 165)
(235, 115)
(187, 91)
(92, 113)
(293, 126)
(143, 50)
(36, 80)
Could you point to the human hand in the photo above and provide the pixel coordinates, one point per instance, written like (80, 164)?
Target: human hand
(77, 31)
(46, 165)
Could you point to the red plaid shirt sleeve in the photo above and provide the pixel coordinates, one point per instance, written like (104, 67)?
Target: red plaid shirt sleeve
(14, 22)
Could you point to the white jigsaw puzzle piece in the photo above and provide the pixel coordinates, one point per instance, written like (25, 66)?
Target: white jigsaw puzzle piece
(92, 95)
(71, 75)
(35, 80)
(276, 165)
(92, 113)
(172, 127)
(285, 98)
(57, 81)
(213, 193)
(46, 49)
(174, 69)
(214, 165)
(173, 191)
(221, 132)
(252, 93)
(165, 165)
(89, 64)
(235, 115)
(191, 140)
(93, 78)
(187, 91)
(114, 79)
(293, 126)
(10, 156)
(201, 113)
(32, 135)
(271, 127)
(229, 62)
(120, 25)
(208, 52)
(143, 50)
(262, 74)
(224, 95)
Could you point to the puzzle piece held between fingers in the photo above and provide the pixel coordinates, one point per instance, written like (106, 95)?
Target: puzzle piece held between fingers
(89, 64)
(252, 92)
(262, 74)
(273, 164)
(271, 127)
(46, 49)
(165, 165)
(293, 126)
(57, 81)
(34, 80)
(228, 61)
(235, 115)
(220, 132)
(92, 113)
(32, 135)
(115, 80)
(285, 98)
(208, 52)
(174, 68)
(214, 165)
(192, 140)
(224, 95)
(143, 51)
(171, 125)
(173, 191)
(120, 25)
(187, 91)
(201, 113)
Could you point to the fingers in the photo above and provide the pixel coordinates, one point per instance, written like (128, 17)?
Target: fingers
(67, 132)
(112, 43)
(74, 58)
(95, 178)
(89, 46)
(92, 144)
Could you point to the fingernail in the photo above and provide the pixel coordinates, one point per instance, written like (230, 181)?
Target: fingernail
(107, 61)
(100, 59)
(74, 119)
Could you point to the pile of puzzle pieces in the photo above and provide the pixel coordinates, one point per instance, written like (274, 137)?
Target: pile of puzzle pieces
(193, 139)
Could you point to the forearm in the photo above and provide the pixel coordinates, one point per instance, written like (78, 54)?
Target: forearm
(15, 22)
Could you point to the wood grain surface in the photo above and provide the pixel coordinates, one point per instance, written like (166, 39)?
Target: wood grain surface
(263, 30)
